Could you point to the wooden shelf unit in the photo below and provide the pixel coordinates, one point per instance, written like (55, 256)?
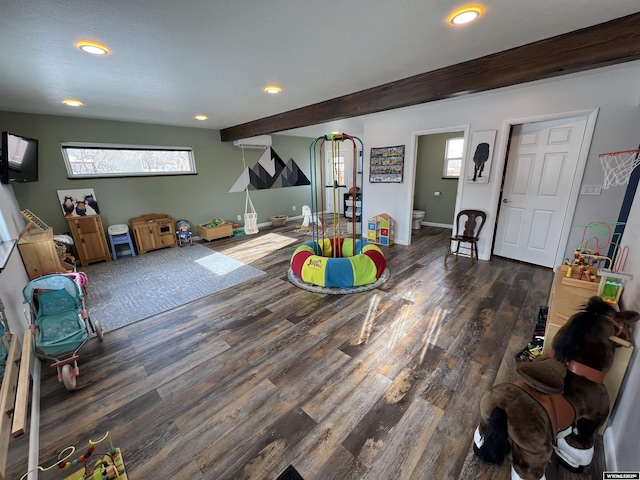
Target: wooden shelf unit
(90, 239)
(39, 255)
(153, 231)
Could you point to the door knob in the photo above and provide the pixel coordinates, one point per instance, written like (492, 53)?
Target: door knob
(506, 201)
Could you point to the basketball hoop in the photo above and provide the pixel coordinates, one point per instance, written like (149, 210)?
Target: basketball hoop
(618, 166)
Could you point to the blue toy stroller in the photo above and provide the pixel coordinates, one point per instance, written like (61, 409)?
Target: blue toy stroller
(5, 338)
(60, 322)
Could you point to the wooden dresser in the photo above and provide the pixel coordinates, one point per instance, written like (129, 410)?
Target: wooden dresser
(90, 239)
(153, 231)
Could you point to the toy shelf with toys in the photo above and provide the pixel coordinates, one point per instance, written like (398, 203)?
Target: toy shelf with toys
(381, 229)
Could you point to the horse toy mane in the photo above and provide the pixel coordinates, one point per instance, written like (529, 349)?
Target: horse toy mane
(592, 335)
(581, 325)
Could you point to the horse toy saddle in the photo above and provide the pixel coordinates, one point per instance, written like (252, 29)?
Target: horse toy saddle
(544, 382)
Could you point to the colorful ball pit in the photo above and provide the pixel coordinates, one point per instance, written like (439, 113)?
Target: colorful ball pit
(338, 262)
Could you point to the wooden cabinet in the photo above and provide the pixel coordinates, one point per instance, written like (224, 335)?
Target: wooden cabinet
(90, 239)
(39, 255)
(153, 231)
(568, 295)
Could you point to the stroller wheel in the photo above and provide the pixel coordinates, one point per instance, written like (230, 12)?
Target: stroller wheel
(99, 332)
(68, 378)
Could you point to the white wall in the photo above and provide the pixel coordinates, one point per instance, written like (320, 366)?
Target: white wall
(13, 277)
(614, 90)
(621, 438)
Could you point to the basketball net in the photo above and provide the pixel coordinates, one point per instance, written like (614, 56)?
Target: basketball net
(618, 166)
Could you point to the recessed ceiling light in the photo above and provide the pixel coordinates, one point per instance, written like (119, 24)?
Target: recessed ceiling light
(272, 89)
(465, 15)
(72, 102)
(94, 48)
(201, 117)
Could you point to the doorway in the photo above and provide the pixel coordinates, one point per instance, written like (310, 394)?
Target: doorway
(541, 181)
(339, 169)
(434, 191)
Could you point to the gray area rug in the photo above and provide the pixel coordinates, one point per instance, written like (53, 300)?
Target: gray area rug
(130, 289)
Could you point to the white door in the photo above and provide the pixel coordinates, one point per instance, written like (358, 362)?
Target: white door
(540, 171)
(338, 176)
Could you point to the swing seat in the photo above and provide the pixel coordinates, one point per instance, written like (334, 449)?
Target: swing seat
(250, 217)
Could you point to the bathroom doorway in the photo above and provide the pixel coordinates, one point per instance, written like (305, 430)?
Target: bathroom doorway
(436, 185)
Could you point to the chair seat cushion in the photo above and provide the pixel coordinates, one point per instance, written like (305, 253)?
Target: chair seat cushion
(463, 238)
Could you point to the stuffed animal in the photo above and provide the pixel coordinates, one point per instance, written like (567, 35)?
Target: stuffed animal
(309, 218)
(560, 403)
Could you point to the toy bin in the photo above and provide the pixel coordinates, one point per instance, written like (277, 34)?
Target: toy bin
(216, 228)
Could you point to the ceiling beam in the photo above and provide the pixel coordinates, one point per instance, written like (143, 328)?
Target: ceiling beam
(608, 43)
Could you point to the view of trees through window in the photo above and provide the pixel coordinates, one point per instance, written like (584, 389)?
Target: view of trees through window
(453, 157)
(104, 161)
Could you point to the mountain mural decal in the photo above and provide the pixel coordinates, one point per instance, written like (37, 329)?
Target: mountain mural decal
(270, 172)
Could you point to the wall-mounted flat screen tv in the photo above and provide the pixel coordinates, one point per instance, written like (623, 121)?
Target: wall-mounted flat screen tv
(19, 159)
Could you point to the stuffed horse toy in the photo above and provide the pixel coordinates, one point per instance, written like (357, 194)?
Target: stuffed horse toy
(560, 402)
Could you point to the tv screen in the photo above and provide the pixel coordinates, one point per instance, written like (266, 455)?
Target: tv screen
(19, 160)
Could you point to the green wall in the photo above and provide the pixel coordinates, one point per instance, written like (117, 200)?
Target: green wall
(429, 169)
(196, 198)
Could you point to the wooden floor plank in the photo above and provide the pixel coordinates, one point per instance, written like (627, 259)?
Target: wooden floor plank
(378, 385)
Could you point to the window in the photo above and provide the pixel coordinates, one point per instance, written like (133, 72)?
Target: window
(85, 160)
(453, 157)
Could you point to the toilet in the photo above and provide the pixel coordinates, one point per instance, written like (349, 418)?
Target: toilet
(417, 217)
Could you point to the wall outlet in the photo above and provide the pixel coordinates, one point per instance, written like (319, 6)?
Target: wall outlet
(239, 218)
(294, 208)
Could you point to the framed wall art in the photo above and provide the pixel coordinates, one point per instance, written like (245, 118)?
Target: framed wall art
(78, 203)
(386, 164)
(480, 156)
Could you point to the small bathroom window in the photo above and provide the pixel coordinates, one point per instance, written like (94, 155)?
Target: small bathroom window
(453, 157)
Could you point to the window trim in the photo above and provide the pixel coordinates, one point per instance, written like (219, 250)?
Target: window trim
(117, 146)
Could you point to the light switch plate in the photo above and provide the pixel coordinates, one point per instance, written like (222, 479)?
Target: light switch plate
(590, 190)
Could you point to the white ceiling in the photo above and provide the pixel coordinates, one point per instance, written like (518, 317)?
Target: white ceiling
(173, 59)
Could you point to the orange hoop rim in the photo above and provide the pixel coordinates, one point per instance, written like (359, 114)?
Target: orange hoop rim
(618, 153)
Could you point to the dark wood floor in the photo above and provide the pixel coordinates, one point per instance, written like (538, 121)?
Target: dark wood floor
(238, 385)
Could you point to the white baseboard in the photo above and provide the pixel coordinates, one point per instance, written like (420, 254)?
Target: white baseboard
(609, 447)
(439, 225)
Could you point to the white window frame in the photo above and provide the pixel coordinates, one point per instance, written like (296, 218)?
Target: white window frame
(447, 158)
(65, 146)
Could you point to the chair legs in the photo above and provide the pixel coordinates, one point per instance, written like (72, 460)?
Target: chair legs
(473, 251)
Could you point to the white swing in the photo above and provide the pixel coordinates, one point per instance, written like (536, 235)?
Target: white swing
(250, 215)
